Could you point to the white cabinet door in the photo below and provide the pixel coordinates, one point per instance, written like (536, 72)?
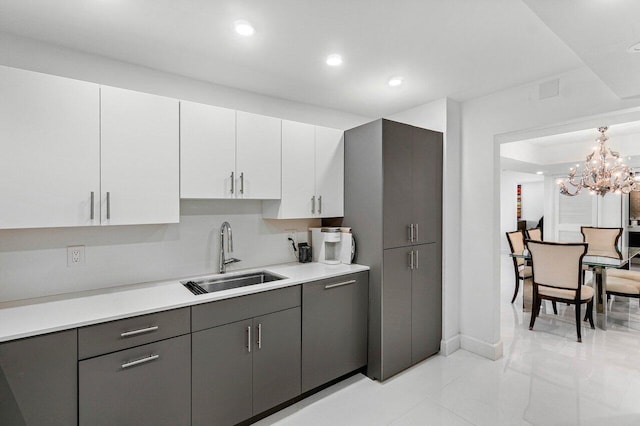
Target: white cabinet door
(298, 170)
(329, 172)
(258, 156)
(49, 150)
(140, 158)
(207, 151)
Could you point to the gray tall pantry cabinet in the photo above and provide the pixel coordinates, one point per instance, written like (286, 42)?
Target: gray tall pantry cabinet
(393, 202)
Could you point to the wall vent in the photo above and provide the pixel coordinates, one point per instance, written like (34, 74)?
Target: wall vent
(549, 89)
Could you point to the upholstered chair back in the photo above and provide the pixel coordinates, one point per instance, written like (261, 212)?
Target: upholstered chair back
(534, 234)
(602, 241)
(557, 264)
(516, 243)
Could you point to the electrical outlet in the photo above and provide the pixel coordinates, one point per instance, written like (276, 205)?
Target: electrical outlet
(75, 256)
(293, 234)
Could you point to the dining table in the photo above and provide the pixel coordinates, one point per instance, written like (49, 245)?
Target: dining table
(598, 262)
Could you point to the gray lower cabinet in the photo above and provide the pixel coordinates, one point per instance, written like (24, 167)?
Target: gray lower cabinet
(276, 359)
(144, 385)
(222, 372)
(249, 366)
(334, 328)
(38, 380)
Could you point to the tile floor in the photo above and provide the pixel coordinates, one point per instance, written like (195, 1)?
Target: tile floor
(544, 378)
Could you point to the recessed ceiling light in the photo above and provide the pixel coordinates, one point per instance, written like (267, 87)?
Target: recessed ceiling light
(635, 48)
(244, 28)
(395, 81)
(539, 172)
(334, 60)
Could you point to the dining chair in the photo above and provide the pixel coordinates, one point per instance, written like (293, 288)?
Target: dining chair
(522, 271)
(604, 242)
(557, 276)
(534, 234)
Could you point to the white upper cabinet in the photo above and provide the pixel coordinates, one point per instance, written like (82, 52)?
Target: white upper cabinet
(312, 173)
(207, 151)
(298, 170)
(330, 172)
(140, 158)
(49, 150)
(228, 154)
(258, 156)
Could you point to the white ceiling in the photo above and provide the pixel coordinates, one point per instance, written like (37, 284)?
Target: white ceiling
(555, 154)
(600, 32)
(455, 48)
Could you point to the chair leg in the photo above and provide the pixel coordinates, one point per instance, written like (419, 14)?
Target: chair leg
(578, 322)
(590, 312)
(515, 293)
(534, 310)
(555, 308)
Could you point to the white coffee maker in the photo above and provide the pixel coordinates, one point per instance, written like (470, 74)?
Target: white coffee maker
(331, 245)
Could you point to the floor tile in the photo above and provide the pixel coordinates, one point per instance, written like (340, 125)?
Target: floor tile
(544, 378)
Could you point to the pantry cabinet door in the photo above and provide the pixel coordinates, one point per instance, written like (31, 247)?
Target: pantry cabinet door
(50, 145)
(140, 158)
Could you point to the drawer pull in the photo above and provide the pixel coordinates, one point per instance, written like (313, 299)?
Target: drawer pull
(140, 361)
(326, 287)
(139, 331)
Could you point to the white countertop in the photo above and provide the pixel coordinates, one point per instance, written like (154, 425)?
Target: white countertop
(32, 317)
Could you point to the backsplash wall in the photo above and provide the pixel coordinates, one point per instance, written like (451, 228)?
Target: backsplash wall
(33, 262)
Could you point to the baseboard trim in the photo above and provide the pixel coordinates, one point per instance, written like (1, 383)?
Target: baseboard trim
(450, 345)
(493, 351)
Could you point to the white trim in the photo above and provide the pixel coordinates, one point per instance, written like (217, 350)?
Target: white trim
(450, 345)
(493, 351)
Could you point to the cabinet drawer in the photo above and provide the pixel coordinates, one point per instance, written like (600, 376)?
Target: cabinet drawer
(231, 310)
(145, 385)
(334, 328)
(126, 333)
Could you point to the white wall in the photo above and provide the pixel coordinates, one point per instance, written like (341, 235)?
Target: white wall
(483, 119)
(444, 116)
(532, 201)
(33, 262)
(509, 181)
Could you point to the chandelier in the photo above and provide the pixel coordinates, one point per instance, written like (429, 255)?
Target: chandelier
(603, 172)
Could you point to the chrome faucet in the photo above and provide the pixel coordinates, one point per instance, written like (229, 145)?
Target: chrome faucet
(223, 263)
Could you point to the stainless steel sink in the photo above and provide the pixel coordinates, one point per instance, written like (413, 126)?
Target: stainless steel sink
(220, 283)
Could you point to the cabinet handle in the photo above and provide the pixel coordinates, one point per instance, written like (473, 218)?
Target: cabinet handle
(249, 339)
(417, 252)
(242, 183)
(232, 181)
(108, 205)
(259, 336)
(92, 201)
(140, 361)
(416, 231)
(313, 205)
(139, 331)
(326, 287)
(410, 233)
(411, 260)
(320, 204)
